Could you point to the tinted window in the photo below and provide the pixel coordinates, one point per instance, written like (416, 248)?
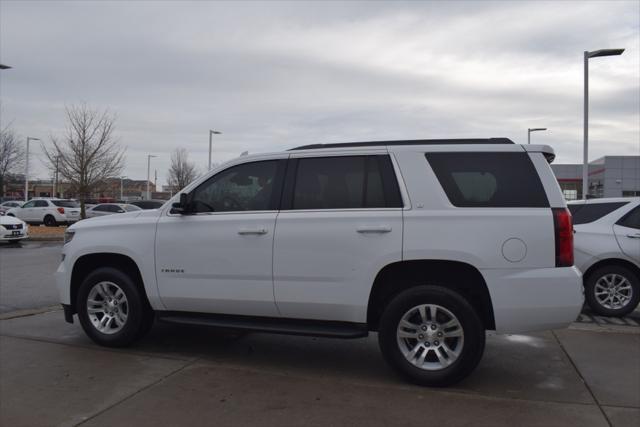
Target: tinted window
(41, 204)
(631, 219)
(586, 213)
(66, 203)
(29, 204)
(100, 208)
(351, 182)
(489, 179)
(246, 187)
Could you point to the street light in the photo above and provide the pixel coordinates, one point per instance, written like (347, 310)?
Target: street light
(26, 169)
(532, 130)
(121, 192)
(149, 156)
(211, 133)
(585, 158)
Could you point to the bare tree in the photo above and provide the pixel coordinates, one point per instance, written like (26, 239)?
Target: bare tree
(88, 154)
(11, 155)
(181, 171)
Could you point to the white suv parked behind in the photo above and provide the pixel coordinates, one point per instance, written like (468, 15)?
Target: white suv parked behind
(50, 212)
(429, 243)
(607, 251)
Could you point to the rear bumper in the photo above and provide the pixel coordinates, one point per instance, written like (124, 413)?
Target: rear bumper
(536, 299)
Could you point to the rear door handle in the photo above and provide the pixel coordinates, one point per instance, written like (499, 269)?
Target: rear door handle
(374, 229)
(246, 231)
(633, 236)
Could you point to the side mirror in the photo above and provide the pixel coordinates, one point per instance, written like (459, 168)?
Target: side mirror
(181, 207)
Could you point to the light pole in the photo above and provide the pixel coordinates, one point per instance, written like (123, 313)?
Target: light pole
(121, 188)
(26, 169)
(585, 153)
(532, 130)
(211, 133)
(149, 156)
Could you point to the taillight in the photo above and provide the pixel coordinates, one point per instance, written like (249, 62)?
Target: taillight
(61, 210)
(563, 227)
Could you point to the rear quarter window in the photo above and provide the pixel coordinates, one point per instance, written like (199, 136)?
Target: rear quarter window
(494, 180)
(586, 213)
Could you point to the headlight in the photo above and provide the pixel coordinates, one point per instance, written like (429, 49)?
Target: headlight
(68, 236)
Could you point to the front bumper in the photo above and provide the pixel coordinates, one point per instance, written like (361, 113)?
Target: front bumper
(534, 299)
(8, 235)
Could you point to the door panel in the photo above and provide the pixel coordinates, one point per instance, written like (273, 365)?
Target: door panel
(325, 262)
(219, 257)
(209, 263)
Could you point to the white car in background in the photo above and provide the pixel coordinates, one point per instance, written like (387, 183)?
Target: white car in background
(607, 251)
(10, 204)
(103, 209)
(12, 229)
(50, 212)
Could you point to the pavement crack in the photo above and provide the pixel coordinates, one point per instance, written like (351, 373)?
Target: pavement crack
(584, 381)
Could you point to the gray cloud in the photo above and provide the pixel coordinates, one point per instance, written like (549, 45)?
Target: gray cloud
(273, 75)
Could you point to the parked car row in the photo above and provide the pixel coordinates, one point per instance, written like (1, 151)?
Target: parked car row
(53, 212)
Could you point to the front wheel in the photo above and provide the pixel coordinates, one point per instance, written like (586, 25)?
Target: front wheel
(111, 309)
(612, 291)
(431, 335)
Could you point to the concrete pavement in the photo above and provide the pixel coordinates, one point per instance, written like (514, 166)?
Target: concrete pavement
(51, 374)
(26, 275)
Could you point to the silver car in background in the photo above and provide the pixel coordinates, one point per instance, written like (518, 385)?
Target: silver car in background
(103, 209)
(607, 251)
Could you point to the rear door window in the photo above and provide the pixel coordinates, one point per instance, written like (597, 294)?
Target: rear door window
(347, 182)
(586, 213)
(500, 180)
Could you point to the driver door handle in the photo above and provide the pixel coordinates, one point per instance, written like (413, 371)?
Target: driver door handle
(374, 229)
(247, 231)
(634, 236)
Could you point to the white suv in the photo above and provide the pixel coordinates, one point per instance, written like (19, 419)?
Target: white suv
(428, 242)
(607, 251)
(50, 212)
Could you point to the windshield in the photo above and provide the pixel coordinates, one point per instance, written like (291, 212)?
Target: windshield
(66, 203)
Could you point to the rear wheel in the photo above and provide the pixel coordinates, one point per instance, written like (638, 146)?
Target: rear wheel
(431, 335)
(50, 221)
(612, 291)
(111, 308)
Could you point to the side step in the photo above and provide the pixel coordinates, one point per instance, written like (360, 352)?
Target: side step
(318, 328)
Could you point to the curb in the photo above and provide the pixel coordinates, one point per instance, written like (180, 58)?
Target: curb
(46, 239)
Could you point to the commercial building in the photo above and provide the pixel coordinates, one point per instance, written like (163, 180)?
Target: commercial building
(609, 176)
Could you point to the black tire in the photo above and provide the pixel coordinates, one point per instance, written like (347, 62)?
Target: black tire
(50, 221)
(140, 315)
(473, 329)
(590, 290)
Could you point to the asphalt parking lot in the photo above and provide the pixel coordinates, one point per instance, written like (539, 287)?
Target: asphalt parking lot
(51, 374)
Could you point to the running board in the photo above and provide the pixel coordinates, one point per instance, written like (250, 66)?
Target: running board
(318, 328)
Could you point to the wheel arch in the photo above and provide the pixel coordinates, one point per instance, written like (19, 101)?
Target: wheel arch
(455, 275)
(85, 264)
(612, 261)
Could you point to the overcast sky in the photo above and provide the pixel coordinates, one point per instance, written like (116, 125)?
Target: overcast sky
(273, 75)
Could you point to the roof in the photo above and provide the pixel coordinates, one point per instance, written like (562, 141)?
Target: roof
(471, 141)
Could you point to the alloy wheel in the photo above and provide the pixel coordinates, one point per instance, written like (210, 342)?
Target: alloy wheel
(107, 307)
(613, 291)
(430, 337)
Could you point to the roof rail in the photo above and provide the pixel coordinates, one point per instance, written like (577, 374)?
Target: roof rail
(471, 141)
